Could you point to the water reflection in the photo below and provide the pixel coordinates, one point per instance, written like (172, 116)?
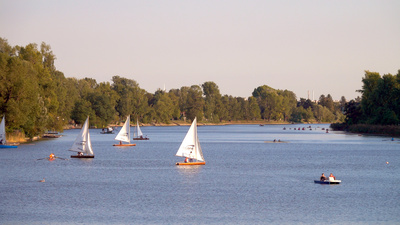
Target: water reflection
(189, 171)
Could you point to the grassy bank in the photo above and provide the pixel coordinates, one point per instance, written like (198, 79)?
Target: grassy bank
(16, 137)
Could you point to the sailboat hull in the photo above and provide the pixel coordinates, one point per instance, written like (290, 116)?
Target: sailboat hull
(190, 163)
(8, 146)
(142, 138)
(82, 156)
(124, 145)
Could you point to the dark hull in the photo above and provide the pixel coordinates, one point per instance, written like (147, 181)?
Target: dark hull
(140, 139)
(51, 135)
(82, 156)
(327, 182)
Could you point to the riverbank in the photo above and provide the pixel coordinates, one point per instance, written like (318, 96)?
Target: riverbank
(18, 137)
(222, 123)
(388, 130)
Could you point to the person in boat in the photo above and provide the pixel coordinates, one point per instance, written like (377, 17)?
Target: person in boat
(274, 140)
(52, 156)
(1, 141)
(322, 178)
(80, 154)
(186, 160)
(331, 175)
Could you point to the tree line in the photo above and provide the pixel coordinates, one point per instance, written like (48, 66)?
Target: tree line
(36, 98)
(378, 109)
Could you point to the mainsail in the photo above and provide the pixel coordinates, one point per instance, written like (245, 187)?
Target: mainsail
(190, 146)
(3, 139)
(125, 132)
(138, 133)
(82, 142)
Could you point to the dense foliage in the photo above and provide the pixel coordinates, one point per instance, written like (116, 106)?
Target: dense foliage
(378, 110)
(36, 97)
(380, 101)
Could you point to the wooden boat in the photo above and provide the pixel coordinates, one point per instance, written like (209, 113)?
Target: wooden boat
(330, 180)
(82, 144)
(3, 139)
(190, 148)
(138, 135)
(124, 134)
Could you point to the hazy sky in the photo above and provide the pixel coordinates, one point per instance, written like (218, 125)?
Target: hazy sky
(311, 45)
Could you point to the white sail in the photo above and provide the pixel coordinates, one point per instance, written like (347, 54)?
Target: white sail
(82, 142)
(3, 139)
(125, 132)
(190, 146)
(138, 132)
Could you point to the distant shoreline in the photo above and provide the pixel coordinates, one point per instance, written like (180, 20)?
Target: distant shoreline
(240, 122)
(368, 129)
(21, 139)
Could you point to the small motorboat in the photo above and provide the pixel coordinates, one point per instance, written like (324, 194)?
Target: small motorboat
(330, 180)
(107, 130)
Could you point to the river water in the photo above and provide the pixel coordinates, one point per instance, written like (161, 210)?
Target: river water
(245, 180)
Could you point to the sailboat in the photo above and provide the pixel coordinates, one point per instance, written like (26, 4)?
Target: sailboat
(3, 140)
(138, 135)
(190, 148)
(124, 134)
(82, 143)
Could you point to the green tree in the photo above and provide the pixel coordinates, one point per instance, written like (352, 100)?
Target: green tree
(82, 110)
(254, 110)
(370, 82)
(212, 101)
(163, 106)
(195, 103)
(103, 102)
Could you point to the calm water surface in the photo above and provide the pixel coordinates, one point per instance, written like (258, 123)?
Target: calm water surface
(245, 180)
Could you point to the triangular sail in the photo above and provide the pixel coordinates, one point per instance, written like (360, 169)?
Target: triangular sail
(190, 146)
(138, 132)
(124, 133)
(3, 130)
(82, 142)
